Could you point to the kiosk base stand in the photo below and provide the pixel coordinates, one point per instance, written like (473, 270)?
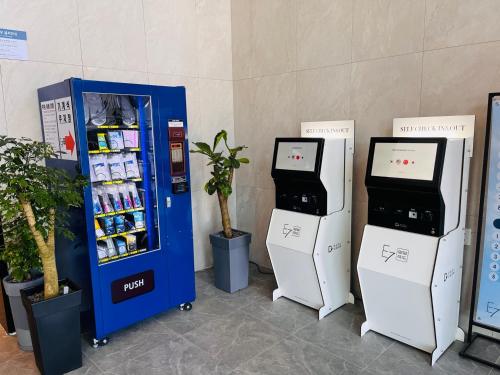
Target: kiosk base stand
(466, 351)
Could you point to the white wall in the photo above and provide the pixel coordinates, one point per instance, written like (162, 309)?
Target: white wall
(162, 42)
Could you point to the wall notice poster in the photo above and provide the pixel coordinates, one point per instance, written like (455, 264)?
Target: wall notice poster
(13, 44)
(487, 310)
(59, 127)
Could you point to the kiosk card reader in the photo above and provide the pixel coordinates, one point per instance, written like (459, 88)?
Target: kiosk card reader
(411, 256)
(309, 234)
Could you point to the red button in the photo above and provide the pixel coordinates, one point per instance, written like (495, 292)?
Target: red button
(405, 162)
(297, 157)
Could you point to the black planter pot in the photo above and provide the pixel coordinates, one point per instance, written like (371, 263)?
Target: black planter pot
(55, 329)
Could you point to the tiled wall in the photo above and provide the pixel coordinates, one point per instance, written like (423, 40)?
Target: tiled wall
(366, 60)
(163, 42)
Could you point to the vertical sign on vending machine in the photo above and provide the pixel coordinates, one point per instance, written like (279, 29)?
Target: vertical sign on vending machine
(133, 251)
(484, 320)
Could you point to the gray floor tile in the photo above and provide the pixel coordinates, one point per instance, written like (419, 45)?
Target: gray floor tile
(234, 339)
(294, 356)
(88, 368)
(204, 310)
(124, 345)
(339, 334)
(247, 333)
(238, 299)
(282, 313)
(167, 355)
(452, 363)
(401, 359)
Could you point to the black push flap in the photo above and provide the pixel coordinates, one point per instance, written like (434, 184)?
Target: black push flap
(132, 286)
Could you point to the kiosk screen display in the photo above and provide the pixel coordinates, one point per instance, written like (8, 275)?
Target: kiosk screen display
(296, 156)
(404, 160)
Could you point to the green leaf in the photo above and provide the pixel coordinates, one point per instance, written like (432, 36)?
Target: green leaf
(203, 148)
(226, 190)
(219, 136)
(244, 160)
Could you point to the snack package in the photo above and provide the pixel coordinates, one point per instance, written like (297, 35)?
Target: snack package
(119, 223)
(96, 202)
(101, 142)
(102, 193)
(102, 250)
(125, 196)
(111, 247)
(116, 167)
(99, 170)
(130, 138)
(131, 166)
(115, 140)
(108, 225)
(138, 219)
(98, 230)
(121, 246)
(129, 225)
(132, 188)
(131, 242)
(114, 197)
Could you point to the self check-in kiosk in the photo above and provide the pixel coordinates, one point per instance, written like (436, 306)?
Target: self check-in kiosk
(309, 237)
(411, 257)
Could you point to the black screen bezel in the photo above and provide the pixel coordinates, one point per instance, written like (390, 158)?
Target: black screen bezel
(391, 182)
(277, 173)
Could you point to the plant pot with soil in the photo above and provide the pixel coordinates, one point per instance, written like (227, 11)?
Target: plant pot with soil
(30, 196)
(230, 247)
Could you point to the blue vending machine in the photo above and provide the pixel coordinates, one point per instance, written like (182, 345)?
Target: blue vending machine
(133, 248)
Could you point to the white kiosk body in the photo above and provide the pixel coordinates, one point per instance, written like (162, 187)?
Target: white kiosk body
(411, 257)
(309, 236)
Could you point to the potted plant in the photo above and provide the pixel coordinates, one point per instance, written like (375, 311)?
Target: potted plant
(19, 252)
(38, 198)
(230, 246)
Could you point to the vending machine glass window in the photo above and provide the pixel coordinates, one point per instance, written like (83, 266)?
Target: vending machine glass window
(122, 174)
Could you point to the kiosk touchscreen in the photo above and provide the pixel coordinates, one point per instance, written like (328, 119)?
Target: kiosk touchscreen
(411, 255)
(309, 233)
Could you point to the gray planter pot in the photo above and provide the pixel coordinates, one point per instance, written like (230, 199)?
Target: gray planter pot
(231, 260)
(13, 290)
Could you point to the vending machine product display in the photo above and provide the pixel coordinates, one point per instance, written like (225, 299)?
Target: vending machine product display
(309, 236)
(411, 257)
(133, 251)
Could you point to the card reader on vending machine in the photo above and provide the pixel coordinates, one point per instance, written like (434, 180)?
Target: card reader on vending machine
(176, 138)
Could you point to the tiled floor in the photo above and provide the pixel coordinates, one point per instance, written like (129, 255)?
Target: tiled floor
(246, 333)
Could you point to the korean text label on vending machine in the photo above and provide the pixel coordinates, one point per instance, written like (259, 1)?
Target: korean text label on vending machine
(176, 137)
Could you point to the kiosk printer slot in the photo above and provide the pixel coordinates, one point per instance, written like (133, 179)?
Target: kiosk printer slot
(410, 262)
(309, 237)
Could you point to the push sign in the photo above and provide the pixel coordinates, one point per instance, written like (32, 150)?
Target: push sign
(132, 286)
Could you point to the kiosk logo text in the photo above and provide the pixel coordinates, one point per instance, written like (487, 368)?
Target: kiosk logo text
(291, 230)
(491, 308)
(401, 255)
(316, 131)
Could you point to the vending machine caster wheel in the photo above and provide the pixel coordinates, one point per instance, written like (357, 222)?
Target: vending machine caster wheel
(185, 306)
(97, 343)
